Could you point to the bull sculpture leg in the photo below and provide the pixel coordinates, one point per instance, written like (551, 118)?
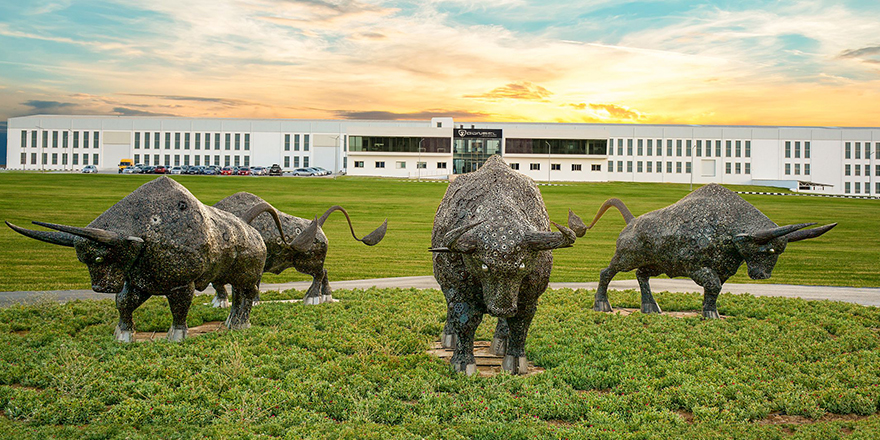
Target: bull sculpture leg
(499, 340)
(601, 303)
(221, 298)
(515, 361)
(180, 300)
(127, 301)
(711, 283)
(465, 318)
(447, 336)
(315, 294)
(326, 291)
(649, 304)
(240, 310)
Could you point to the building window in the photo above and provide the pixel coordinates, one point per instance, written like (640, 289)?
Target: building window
(806, 169)
(216, 159)
(846, 170)
(380, 164)
(137, 141)
(797, 149)
(595, 167)
(688, 148)
(640, 148)
(247, 142)
(847, 150)
(699, 148)
(421, 165)
(576, 167)
(650, 147)
(619, 166)
(286, 142)
(95, 158)
(728, 148)
(400, 164)
(727, 168)
(295, 142)
(687, 167)
(659, 147)
(75, 158)
(286, 161)
(659, 167)
(629, 147)
(176, 141)
(555, 167)
(197, 160)
(442, 165)
(186, 141)
(137, 159)
(535, 167)
(186, 160)
(876, 187)
(639, 167)
(198, 143)
(23, 159)
(846, 188)
(54, 139)
(296, 161)
(63, 158)
(669, 167)
(876, 170)
(738, 168)
(305, 161)
(858, 151)
(797, 169)
(237, 160)
(858, 170)
(620, 147)
(610, 166)
(668, 147)
(649, 166)
(629, 166)
(227, 145)
(678, 147)
(237, 141)
(54, 158)
(748, 148)
(678, 167)
(305, 142)
(216, 141)
(45, 159)
(788, 169)
(788, 149)
(807, 150)
(858, 188)
(177, 160)
(749, 167)
(226, 161)
(358, 164)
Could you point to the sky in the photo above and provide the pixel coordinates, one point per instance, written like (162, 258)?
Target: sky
(785, 62)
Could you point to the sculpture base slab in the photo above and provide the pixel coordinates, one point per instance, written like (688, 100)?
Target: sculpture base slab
(488, 363)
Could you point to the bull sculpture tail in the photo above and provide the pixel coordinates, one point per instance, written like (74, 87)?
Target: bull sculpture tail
(617, 203)
(301, 242)
(370, 239)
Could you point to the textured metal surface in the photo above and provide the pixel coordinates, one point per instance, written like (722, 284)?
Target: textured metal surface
(705, 236)
(491, 243)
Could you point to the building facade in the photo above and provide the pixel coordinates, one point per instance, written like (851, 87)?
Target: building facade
(827, 160)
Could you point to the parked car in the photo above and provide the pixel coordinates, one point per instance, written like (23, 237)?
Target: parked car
(322, 171)
(90, 169)
(195, 169)
(160, 169)
(258, 171)
(130, 170)
(226, 171)
(244, 171)
(176, 170)
(148, 169)
(304, 172)
(211, 170)
(275, 170)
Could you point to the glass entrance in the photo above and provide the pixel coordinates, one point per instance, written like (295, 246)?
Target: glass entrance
(469, 154)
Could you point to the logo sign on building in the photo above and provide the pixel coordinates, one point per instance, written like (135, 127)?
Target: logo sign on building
(477, 133)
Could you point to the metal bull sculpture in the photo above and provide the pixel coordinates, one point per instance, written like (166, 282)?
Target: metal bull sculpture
(160, 240)
(492, 253)
(705, 236)
(304, 246)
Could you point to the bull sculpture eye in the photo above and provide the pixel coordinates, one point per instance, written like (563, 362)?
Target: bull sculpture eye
(485, 268)
(99, 260)
(772, 251)
(522, 266)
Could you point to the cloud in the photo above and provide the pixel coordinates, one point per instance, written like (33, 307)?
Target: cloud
(52, 107)
(225, 101)
(604, 112)
(123, 111)
(392, 116)
(522, 90)
(870, 54)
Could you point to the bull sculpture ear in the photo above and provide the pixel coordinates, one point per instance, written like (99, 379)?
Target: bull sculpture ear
(809, 233)
(546, 240)
(54, 237)
(456, 241)
(764, 237)
(576, 224)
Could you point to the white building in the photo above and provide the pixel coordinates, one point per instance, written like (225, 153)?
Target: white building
(828, 160)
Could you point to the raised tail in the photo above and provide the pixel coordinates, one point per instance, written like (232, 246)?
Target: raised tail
(370, 239)
(301, 242)
(617, 203)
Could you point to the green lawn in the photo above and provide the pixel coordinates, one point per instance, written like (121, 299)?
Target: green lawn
(845, 256)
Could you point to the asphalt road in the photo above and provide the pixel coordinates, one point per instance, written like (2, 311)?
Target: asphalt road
(856, 295)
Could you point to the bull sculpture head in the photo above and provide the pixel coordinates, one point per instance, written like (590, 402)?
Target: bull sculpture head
(108, 255)
(501, 256)
(761, 249)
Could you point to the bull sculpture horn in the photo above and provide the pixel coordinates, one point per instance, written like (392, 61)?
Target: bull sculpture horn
(763, 237)
(54, 237)
(370, 239)
(809, 233)
(300, 243)
(102, 236)
(303, 241)
(546, 240)
(450, 240)
(576, 224)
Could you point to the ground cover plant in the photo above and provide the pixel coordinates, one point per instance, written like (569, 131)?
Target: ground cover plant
(774, 368)
(845, 256)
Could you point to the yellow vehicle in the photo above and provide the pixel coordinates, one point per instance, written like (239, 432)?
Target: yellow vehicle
(125, 163)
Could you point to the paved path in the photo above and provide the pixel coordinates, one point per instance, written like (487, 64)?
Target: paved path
(863, 296)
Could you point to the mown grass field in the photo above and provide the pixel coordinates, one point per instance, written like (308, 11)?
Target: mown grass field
(773, 369)
(845, 256)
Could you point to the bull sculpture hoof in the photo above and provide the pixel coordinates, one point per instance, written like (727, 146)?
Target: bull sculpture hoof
(602, 306)
(328, 299)
(515, 365)
(467, 369)
(236, 324)
(220, 303)
(312, 300)
(711, 314)
(176, 334)
(499, 346)
(123, 335)
(448, 340)
(651, 307)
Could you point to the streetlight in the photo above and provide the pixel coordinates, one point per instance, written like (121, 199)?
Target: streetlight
(549, 165)
(419, 162)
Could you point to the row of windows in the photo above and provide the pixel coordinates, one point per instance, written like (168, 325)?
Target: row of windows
(296, 142)
(556, 146)
(557, 167)
(399, 164)
(797, 169)
(305, 161)
(65, 138)
(853, 150)
(681, 148)
(179, 160)
(155, 140)
(73, 158)
(399, 144)
(673, 167)
(848, 170)
(848, 187)
(797, 149)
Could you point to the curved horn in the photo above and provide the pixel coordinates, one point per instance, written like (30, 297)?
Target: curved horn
(546, 240)
(303, 241)
(100, 235)
(60, 238)
(370, 239)
(809, 233)
(260, 208)
(446, 245)
(576, 224)
(762, 237)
